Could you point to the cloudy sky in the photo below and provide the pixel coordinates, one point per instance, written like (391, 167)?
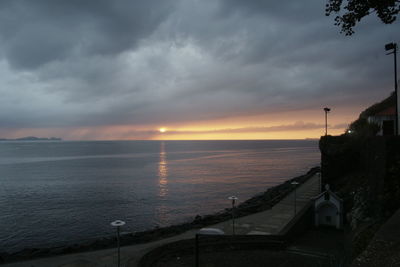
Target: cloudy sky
(200, 69)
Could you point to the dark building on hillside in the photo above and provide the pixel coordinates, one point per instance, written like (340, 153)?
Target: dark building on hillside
(385, 119)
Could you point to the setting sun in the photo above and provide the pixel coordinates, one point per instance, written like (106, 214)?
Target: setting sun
(162, 130)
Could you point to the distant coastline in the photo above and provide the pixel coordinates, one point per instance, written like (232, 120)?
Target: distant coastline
(32, 138)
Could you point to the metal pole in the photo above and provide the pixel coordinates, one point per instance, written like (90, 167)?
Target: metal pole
(233, 198)
(320, 182)
(326, 109)
(203, 232)
(233, 217)
(389, 47)
(197, 250)
(118, 224)
(119, 253)
(395, 88)
(294, 183)
(326, 122)
(295, 198)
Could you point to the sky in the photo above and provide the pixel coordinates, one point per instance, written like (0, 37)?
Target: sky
(198, 69)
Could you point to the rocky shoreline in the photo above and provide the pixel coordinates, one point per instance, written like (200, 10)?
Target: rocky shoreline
(255, 204)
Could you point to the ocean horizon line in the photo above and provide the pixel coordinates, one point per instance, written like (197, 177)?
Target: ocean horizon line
(156, 140)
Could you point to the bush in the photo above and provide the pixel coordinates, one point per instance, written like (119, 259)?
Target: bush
(362, 128)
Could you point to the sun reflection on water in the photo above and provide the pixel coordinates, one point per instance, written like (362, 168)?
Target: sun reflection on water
(163, 172)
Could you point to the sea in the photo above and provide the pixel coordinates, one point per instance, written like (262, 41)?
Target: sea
(56, 193)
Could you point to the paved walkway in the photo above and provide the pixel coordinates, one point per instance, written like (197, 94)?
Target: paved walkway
(271, 221)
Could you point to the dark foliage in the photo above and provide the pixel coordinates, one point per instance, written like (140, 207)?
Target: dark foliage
(355, 10)
(362, 127)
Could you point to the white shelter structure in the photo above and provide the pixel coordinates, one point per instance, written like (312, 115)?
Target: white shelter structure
(328, 209)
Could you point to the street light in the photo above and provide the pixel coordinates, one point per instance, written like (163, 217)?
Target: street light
(326, 120)
(393, 47)
(233, 199)
(295, 196)
(118, 224)
(319, 181)
(204, 231)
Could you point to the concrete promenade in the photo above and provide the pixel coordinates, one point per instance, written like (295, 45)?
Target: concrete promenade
(271, 221)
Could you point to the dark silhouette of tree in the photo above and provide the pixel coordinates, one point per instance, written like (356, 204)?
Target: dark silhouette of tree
(355, 10)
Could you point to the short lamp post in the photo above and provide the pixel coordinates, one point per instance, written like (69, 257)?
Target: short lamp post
(326, 119)
(233, 199)
(118, 224)
(393, 48)
(204, 232)
(295, 184)
(319, 181)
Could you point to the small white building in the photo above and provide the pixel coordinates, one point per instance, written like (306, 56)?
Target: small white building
(385, 119)
(328, 209)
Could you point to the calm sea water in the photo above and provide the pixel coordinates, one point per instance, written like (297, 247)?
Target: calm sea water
(64, 192)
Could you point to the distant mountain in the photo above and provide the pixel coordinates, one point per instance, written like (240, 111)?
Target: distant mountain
(32, 138)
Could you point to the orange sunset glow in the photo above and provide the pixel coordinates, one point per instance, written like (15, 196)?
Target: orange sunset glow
(286, 125)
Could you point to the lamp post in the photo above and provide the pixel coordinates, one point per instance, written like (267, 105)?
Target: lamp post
(393, 47)
(118, 224)
(326, 120)
(233, 199)
(295, 196)
(319, 181)
(204, 231)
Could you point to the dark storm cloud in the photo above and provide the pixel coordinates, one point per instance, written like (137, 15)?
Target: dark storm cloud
(286, 10)
(37, 32)
(99, 62)
(295, 49)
